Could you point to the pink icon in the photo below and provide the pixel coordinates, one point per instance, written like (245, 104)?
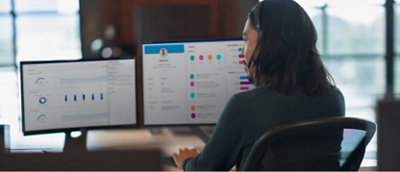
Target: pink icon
(241, 62)
(193, 115)
(192, 84)
(201, 57)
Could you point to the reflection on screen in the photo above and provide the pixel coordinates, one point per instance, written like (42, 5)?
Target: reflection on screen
(64, 95)
(190, 82)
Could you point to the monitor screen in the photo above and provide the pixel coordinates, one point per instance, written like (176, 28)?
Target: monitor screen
(189, 82)
(67, 95)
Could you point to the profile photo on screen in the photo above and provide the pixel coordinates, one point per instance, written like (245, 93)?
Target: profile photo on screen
(163, 52)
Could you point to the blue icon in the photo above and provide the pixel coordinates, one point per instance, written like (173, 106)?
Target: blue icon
(75, 97)
(101, 96)
(240, 49)
(192, 95)
(42, 100)
(66, 98)
(83, 97)
(92, 96)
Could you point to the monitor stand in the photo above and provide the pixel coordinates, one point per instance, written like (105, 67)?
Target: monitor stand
(75, 144)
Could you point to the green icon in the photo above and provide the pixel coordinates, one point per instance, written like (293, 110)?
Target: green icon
(192, 58)
(191, 76)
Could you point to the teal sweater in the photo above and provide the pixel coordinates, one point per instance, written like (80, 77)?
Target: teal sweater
(248, 115)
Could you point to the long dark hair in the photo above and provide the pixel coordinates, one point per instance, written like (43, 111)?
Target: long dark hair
(286, 58)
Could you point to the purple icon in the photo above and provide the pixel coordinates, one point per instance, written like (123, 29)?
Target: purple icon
(192, 84)
(201, 57)
(193, 115)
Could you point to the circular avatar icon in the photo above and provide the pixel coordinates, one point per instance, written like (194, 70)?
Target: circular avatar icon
(163, 52)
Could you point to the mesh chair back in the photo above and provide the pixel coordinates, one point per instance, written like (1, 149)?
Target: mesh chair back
(333, 143)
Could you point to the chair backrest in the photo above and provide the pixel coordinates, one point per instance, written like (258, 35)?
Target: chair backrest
(332, 143)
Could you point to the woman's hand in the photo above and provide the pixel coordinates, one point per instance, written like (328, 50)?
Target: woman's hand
(184, 154)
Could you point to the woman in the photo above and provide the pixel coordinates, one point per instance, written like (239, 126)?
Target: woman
(292, 84)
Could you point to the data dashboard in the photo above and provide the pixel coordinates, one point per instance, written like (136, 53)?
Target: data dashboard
(60, 95)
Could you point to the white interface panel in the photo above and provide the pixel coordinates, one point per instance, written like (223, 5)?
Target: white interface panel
(64, 95)
(190, 82)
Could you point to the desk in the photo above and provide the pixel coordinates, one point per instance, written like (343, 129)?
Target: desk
(127, 139)
(113, 139)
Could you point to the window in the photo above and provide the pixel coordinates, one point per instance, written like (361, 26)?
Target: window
(39, 30)
(351, 40)
(6, 43)
(5, 6)
(397, 49)
(47, 29)
(355, 54)
(352, 46)
(33, 30)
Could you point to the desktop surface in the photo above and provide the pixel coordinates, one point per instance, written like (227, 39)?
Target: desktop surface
(110, 160)
(77, 94)
(189, 82)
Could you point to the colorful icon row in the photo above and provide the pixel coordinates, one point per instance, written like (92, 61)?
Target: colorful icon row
(202, 57)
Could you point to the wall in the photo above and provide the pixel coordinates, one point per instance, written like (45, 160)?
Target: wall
(225, 18)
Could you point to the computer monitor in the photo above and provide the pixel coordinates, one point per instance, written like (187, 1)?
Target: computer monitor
(72, 95)
(189, 82)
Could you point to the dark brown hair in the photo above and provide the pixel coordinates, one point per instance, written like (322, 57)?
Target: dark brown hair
(286, 58)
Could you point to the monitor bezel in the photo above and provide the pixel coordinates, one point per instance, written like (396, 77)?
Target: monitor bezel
(47, 131)
(142, 78)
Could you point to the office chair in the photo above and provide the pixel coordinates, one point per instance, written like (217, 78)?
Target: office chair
(331, 143)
